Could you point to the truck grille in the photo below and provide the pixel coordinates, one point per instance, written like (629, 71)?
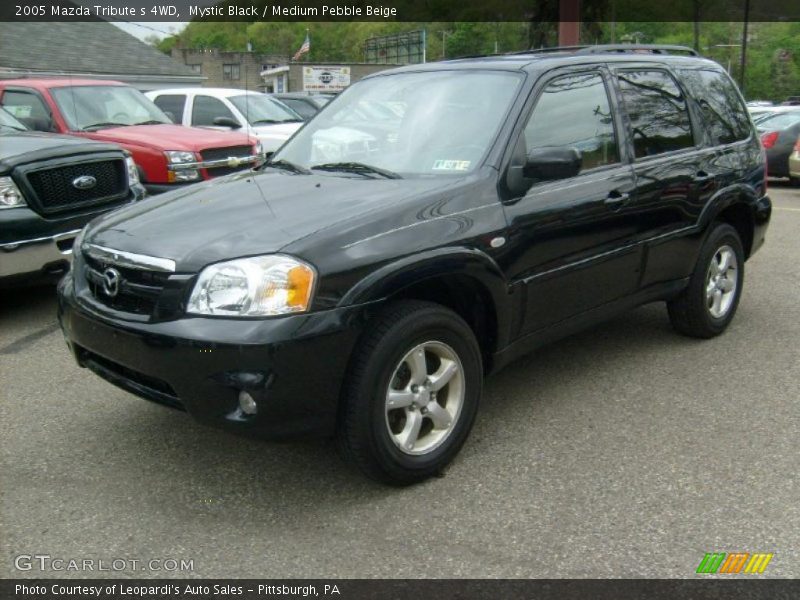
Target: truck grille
(55, 191)
(137, 292)
(223, 153)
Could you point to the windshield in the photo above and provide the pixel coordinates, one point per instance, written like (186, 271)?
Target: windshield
(434, 123)
(8, 122)
(261, 109)
(93, 107)
(780, 120)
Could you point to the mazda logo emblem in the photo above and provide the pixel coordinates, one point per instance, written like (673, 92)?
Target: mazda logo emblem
(84, 182)
(111, 281)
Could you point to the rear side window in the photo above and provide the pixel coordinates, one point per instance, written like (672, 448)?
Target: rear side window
(172, 104)
(207, 108)
(573, 111)
(724, 115)
(657, 110)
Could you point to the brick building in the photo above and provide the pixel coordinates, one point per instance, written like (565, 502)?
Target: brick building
(262, 72)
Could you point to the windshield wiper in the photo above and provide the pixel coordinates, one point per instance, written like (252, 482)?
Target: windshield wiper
(104, 124)
(267, 121)
(287, 166)
(152, 122)
(357, 167)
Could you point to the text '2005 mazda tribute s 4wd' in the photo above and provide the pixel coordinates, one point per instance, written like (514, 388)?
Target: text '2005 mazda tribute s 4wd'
(364, 281)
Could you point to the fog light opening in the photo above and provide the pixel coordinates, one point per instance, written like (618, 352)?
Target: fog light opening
(247, 403)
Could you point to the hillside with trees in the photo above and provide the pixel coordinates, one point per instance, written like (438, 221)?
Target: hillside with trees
(773, 49)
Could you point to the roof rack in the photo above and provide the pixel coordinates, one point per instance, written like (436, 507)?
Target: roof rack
(616, 48)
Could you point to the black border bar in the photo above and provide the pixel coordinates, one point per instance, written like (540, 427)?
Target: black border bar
(746, 587)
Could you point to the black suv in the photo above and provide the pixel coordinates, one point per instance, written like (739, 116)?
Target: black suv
(50, 187)
(366, 280)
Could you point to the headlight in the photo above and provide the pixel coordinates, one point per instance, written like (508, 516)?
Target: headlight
(259, 286)
(10, 196)
(176, 157)
(179, 156)
(133, 171)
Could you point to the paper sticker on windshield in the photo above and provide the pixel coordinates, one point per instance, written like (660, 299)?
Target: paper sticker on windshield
(451, 165)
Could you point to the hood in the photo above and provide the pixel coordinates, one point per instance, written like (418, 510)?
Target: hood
(246, 214)
(172, 137)
(30, 146)
(273, 136)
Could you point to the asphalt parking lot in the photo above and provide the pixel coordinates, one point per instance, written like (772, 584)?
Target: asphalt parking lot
(626, 451)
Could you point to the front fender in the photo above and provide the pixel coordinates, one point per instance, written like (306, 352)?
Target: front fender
(394, 277)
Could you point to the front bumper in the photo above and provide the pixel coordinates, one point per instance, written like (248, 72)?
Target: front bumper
(33, 246)
(293, 366)
(48, 254)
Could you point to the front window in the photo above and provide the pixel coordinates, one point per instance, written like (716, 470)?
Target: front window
(412, 124)
(92, 107)
(9, 123)
(262, 110)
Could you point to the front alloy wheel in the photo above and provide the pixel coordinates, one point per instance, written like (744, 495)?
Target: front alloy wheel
(411, 393)
(424, 398)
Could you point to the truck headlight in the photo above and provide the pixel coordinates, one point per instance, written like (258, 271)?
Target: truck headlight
(133, 171)
(258, 286)
(176, 157)
(10, 196)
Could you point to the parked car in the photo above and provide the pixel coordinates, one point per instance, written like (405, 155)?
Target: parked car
(168, 156)
(259, 115)
(794, 164)
(779, 134)
(769, 111)
(50, 187)
(366, 289)
(305, 104)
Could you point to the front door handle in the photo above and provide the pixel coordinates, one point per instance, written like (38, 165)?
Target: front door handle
(702, 176)
(616, 198)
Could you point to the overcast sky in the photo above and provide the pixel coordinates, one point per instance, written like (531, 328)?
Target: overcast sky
(143, 30)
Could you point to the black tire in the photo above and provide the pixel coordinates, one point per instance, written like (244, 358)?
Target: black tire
(363, 435)
(689, 312)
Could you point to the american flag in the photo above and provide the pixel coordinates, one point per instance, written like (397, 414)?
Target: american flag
(304, 49)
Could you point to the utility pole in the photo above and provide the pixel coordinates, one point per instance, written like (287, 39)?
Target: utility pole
(743, 62)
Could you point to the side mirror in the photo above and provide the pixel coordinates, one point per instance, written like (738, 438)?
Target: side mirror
(38, 123)
(546, 164)
(226, 122)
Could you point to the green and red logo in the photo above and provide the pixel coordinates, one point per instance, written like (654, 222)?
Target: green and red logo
(734, 562)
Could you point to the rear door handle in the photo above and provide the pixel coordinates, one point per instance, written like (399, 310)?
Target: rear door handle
(616, 198)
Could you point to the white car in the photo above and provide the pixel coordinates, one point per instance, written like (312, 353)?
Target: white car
(260, 115)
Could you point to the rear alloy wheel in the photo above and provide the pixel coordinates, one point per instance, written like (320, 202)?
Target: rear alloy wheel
(707, 305)
(411, 394)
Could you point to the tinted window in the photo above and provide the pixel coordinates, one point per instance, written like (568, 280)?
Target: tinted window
(574, 111)
(172, 104)
(28, 108)
(206, 109)
(657, 110)
(724, 115)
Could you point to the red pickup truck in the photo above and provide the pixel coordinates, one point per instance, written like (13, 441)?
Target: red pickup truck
(167, 155)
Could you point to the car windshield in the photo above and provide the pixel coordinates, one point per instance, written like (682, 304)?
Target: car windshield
(780, 121)
(9, 123)
(260, 109)
(412, 124)
(92, 107)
